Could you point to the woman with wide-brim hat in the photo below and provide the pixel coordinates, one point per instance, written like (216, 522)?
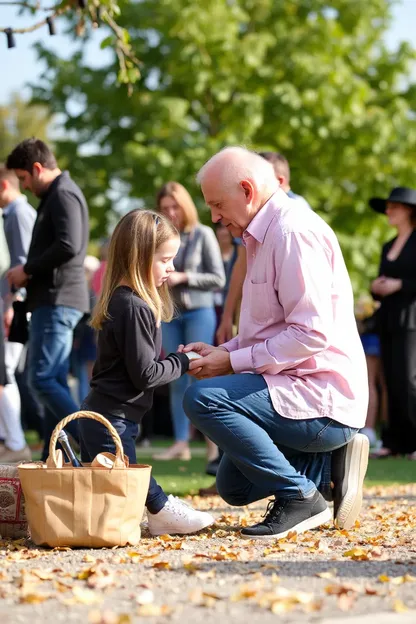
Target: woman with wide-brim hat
(395, 288)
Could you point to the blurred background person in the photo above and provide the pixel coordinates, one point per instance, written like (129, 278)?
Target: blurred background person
(395, 288)
(98, 277)
(199, 273)
(4, 265)
(57, 293)
(229, 252)
(366, 314)
(84, 347)
(18, 219)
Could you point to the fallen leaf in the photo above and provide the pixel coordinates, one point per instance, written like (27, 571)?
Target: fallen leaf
(327, 575)
(34, 598)
(399, 606)
(152, 610)
(383, 578)
(346, 601)
(357, 554)
(162, 565)
(61, 549)
(82, 596)
(108, 617)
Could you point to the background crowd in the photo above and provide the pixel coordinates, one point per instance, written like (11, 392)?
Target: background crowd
(49, 279)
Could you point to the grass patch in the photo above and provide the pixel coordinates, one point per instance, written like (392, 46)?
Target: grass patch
(391, 471)
(182, 478)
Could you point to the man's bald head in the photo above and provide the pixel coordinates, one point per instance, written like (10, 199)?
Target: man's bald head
(236, 183)
(232, 165)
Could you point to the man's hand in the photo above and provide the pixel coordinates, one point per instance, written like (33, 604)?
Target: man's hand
(384, 286)
(17, 276)
(177, 278)
(215, 364)
(199, 347)
(225, 329)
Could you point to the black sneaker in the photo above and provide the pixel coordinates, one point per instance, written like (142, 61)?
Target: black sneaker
(286, 515)
(348, 468)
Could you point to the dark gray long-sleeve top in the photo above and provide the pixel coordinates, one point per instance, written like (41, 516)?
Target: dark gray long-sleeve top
(128, 368)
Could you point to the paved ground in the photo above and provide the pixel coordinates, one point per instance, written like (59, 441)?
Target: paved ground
(322, 576)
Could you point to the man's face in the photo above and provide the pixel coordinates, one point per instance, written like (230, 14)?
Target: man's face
(232, 207)
(31, 181)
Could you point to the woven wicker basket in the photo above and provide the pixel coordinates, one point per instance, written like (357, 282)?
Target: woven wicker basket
(13, 522)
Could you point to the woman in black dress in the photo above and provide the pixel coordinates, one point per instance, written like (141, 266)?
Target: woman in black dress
(396, 289)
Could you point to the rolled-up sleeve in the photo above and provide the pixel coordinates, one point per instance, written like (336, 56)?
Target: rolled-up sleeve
(303, 286)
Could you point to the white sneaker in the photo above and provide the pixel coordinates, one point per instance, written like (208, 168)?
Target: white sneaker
(178, 517)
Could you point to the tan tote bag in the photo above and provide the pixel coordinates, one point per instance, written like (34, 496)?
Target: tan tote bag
(92, 506)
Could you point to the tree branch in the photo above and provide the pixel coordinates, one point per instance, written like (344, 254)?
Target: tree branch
(28, 29)
(32, 7)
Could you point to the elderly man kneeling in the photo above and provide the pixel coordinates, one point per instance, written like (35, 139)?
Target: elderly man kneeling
(286, 397)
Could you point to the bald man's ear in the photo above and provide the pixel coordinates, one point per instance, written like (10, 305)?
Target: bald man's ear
(247, 188)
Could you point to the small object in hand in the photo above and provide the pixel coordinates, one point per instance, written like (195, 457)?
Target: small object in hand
(193, 355)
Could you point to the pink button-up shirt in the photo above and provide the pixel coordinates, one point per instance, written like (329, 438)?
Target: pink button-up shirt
(297, 325)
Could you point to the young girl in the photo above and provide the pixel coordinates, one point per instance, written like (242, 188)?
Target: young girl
(134, 301)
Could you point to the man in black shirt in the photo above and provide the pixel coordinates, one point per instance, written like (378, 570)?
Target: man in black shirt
(57, 294)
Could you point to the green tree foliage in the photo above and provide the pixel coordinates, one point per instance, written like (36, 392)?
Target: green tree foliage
(18, 121)
(310, 78)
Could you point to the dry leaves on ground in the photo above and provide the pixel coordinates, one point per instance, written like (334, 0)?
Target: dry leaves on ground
(200, 567)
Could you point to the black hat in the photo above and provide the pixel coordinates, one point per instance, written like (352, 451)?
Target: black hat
(400, 194)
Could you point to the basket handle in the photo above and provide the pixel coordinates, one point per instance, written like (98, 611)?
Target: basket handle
(93, 416)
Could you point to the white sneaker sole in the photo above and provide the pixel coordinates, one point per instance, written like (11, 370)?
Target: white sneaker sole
(170, 530)
(311, 523)
(356, 463)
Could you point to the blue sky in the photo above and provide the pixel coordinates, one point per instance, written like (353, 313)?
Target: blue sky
(20, 66)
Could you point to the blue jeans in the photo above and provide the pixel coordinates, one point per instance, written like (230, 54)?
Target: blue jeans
(190, 326)
(80, 371)
(95, 438)
(50, 344)
(265, 454)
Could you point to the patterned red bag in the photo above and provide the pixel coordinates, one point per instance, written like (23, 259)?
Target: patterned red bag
(13, 522)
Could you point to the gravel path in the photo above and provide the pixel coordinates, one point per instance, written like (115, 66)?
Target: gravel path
(320, 576)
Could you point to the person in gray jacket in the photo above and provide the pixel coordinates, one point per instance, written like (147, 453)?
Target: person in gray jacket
(199, 272)
(4, 265)
(19, 218)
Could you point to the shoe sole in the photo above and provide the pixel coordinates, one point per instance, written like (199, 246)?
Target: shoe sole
(170, 531)
(356, 462)
(311, 523)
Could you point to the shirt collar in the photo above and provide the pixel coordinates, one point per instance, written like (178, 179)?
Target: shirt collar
(258, 226)
(10, 207)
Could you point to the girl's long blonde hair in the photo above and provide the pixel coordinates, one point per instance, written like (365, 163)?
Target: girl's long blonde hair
(130, 256)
